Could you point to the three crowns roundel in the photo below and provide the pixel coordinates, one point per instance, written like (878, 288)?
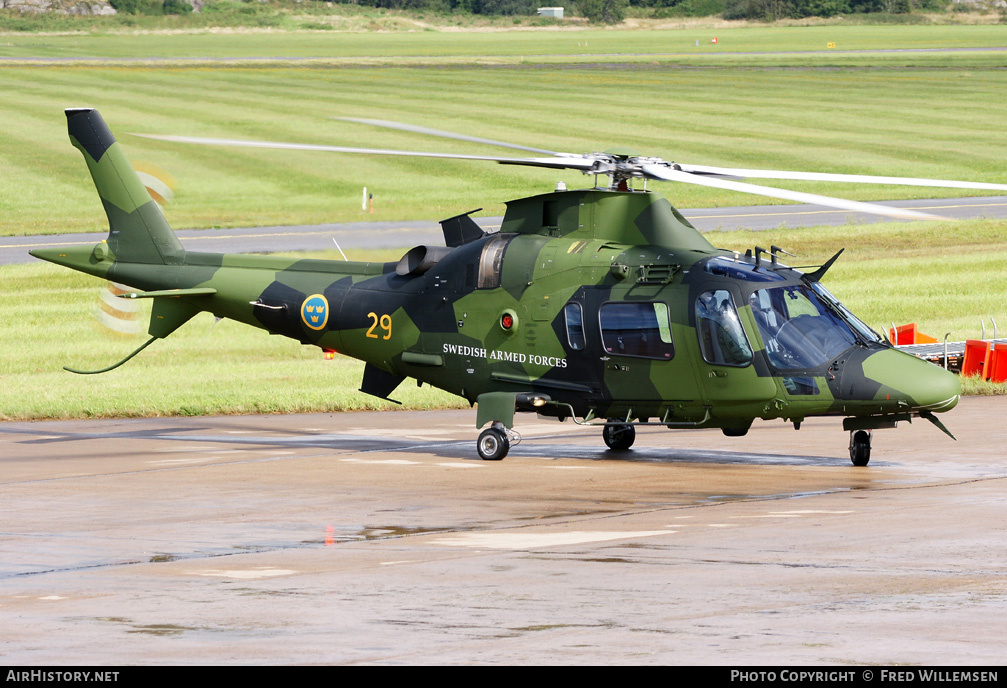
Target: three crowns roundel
(315, 311)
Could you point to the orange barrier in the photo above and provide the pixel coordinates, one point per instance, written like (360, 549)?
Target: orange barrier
(909, 334)
(998, 364)
(977, 358)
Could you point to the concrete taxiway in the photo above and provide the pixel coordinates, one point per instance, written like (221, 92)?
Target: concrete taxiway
(390, 234)
(376, 538)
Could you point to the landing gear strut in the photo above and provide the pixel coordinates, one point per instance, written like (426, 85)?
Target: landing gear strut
(493, 443)
(619, 436)
(860, 447)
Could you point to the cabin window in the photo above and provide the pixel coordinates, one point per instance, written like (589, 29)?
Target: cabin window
(721, 336)
(637, 329)
(574, 326)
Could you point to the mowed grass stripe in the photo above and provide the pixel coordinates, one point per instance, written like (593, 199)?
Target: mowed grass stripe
(899, 125)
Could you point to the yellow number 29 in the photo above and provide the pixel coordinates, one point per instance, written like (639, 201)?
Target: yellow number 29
(384, 322)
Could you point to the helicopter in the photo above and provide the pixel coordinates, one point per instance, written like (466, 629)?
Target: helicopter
(602, 305)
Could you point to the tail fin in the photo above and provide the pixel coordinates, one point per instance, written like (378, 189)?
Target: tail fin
(138, 233)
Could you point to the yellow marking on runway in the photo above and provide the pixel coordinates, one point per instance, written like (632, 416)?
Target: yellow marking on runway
(783, 211)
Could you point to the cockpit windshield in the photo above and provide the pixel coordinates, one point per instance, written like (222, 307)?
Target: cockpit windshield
(852, 320)
(798, 328)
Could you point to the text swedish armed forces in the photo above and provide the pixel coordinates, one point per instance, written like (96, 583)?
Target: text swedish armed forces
(508, 356)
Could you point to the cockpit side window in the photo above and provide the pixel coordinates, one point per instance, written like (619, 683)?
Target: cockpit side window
(721, 336)
(637, 329)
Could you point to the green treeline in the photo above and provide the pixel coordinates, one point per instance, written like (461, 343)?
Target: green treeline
(277, 12)
(613, 11)
(771, 10)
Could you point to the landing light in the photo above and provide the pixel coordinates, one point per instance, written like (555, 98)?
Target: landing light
(531, 400)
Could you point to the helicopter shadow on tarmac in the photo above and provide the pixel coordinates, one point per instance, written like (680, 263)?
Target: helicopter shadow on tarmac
(530, 448)
(667, 455)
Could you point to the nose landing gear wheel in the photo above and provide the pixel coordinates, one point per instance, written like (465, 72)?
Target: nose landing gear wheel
(860, 447)
(492, 444)
(619, 436)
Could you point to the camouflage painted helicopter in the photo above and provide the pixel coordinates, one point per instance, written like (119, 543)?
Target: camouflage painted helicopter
(603, 305)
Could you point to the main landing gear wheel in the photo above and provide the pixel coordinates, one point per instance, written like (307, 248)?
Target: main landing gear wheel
(860, 447)
(493, 444)
(619, 436)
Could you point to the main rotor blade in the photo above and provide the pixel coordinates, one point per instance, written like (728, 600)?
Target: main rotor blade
(668, 174)
(828, 177)
(445, 134)
(576, 163)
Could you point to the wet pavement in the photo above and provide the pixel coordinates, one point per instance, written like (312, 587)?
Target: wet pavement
(378, 538)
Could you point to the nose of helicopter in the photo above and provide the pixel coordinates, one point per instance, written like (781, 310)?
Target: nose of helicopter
(907, 380)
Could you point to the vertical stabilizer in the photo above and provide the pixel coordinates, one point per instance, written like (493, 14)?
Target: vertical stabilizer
(137, 232)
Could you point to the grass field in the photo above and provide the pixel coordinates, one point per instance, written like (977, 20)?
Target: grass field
(913, 114)
(586, 44)
(943, 122)
(753, 99)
